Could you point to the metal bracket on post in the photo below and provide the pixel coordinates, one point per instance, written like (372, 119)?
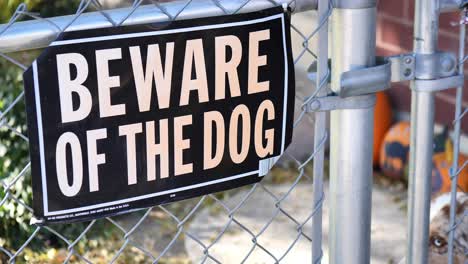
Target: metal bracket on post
(402, 67)
(333, 102)
(361, 81)
(357, 87)
(438, 84)
(366, 80)
(431, 72)
(435, 65)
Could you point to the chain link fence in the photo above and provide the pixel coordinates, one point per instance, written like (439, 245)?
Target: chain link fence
(457, 244)
(125, 239)
(185, 231)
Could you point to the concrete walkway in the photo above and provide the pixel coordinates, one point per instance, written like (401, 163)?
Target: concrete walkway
(388, 228)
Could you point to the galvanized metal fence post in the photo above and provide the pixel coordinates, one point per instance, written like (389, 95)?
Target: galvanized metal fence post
(426, 25)
(353, 33)
(320, 129)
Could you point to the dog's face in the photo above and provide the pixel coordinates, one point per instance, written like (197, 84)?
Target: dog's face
(439, 228)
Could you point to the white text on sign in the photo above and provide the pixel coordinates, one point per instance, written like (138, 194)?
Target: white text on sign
(76, 104)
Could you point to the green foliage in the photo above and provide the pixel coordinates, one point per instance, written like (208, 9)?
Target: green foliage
(46, 8)
(13, 157)
(8, 7)
(14, 217)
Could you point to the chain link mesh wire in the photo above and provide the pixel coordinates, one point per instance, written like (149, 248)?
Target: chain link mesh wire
(173, 220)
(458, 219)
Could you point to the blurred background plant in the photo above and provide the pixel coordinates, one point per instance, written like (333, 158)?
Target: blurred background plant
(45, 8)
(14, 218)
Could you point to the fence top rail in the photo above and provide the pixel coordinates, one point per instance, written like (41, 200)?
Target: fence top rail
(39, 33)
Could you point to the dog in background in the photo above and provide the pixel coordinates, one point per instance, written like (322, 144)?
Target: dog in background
(439, 229)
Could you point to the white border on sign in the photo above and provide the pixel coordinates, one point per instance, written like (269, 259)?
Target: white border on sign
(143, 34)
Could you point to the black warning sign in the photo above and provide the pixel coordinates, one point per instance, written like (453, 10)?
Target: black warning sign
(130, 117)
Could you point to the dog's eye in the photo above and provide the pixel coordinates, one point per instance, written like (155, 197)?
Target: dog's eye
(438, 241)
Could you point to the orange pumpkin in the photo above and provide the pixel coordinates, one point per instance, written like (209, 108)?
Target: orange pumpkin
(383, 122)
(394, 150)
(442, 162)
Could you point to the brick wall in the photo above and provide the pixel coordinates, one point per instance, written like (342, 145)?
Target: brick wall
(395, 36)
